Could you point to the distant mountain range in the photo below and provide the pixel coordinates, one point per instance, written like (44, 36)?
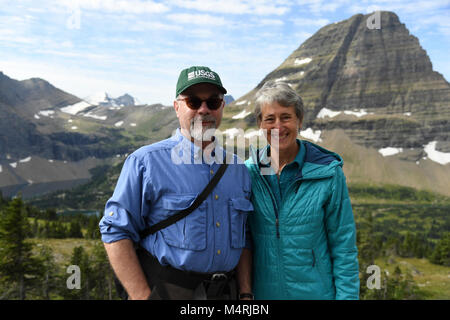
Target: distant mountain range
(50, 139)
(371, 95)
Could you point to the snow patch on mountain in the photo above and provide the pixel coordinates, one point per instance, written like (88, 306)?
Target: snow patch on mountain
(436, 156)
(28, 159)
(298, 62)
(100, 99)
(241, 115)
(389, 151)
(75, 108)
(241, 102)
(91, 115)
(310, 134)
(325, 112)
(46, 113)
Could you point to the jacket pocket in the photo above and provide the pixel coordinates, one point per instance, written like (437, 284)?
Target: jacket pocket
(189, 232)
(238, 209)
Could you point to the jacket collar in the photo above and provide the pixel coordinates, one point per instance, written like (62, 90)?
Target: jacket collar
(313, 160)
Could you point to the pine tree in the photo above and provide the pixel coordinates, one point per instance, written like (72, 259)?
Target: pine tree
(93, 231)
(102, 274)
(48, 275)
(17, 265)
(81, 259)
(75, 230)
(441, 253)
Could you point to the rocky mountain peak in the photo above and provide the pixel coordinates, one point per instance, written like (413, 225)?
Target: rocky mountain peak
(383, 75)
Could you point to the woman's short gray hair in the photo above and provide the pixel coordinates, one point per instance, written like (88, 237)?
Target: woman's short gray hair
(280, 92)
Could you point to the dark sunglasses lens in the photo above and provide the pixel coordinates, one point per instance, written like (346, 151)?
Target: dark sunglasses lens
(194, 102)
(214, 103)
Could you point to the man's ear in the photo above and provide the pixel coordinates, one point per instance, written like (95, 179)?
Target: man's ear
(176, 106)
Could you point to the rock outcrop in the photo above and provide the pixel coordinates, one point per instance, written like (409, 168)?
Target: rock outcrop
(382, 74)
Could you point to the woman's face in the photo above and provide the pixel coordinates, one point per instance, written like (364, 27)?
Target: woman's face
(275, 116)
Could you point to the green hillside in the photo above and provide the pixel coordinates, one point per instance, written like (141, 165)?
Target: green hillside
(400, 229)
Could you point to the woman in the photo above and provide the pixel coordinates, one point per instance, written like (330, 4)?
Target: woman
(304, 237)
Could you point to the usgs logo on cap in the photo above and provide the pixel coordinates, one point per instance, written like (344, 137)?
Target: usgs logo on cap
(201, 74)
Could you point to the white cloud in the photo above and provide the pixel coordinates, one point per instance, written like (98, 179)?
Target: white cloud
(197, 19)
(122, 6)
(239, 7)
(306, 22)
(270, 22)
(140, 25)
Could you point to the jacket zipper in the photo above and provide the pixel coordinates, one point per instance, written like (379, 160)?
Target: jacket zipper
(277, 222)
(314, 257)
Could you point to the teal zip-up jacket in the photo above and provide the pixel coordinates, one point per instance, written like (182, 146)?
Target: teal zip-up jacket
(304, 248)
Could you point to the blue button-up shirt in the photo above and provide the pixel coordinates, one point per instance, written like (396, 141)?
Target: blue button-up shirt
(161, 179)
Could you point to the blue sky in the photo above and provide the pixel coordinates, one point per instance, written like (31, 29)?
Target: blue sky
(139, 47)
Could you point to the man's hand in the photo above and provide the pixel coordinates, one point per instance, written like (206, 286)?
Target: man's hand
(127, 268)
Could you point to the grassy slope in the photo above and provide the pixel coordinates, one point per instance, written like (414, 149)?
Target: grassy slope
(432, 279)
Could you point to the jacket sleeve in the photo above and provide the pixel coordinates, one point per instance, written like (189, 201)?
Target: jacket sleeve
(341, 232)
(124, 212)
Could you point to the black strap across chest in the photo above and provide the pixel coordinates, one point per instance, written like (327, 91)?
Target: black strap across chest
(180, 215)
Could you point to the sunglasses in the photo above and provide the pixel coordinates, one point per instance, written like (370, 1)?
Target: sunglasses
(195, 103)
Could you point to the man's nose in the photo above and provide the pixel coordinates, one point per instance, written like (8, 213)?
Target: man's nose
(203, 108)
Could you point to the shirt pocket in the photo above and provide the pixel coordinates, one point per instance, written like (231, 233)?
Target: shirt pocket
(238, 209)
(189, 232)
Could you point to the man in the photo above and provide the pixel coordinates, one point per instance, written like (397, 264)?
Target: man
(193, 258)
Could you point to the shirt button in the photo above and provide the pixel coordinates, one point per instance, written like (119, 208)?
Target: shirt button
(217, 224)
(111, 213)
(216, 197)
(218, 251)
(212, 172)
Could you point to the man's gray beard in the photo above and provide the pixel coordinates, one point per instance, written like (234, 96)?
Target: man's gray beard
(197, 130)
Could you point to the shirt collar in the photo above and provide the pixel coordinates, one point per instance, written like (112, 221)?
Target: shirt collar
(197, 154)
(264, 156)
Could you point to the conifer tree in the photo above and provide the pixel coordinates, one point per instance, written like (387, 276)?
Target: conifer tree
(17, 265)
(48, 273)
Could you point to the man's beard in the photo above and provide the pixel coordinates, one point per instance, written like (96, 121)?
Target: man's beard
(200, 132)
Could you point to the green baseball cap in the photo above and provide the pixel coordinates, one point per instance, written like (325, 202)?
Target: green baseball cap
(198, 74)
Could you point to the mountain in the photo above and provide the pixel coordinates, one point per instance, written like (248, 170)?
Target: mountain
(27, 97)
(370, 95)
(101, 99)
(228, 99)
(50, 139)
(105, 100)
(376, 90)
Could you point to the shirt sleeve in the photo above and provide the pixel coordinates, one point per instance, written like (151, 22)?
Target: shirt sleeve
(341, 232)
(124, 212)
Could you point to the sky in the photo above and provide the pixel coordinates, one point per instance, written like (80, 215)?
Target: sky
(139, 47)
